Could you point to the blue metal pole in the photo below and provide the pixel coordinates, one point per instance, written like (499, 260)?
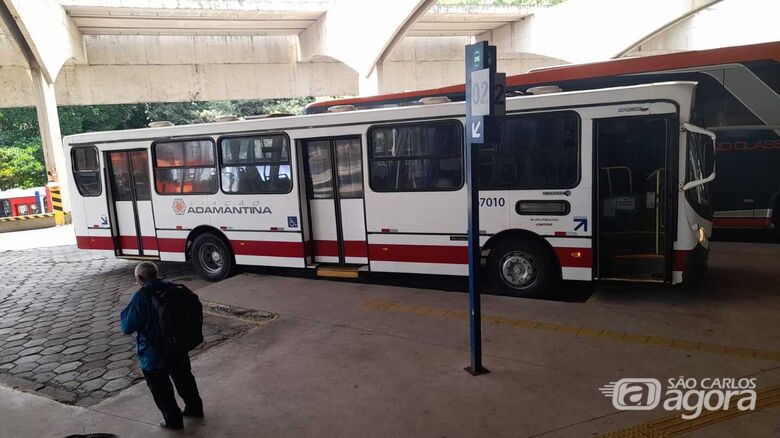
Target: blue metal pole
(475, 311)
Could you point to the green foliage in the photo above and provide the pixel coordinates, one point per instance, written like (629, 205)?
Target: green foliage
(21, 167)
(18, 126)
(21, 156)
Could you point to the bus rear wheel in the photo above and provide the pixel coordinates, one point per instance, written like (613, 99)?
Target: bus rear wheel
(211, 258)
(521, 268)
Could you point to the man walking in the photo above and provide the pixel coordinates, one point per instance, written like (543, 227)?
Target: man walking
(159, 365)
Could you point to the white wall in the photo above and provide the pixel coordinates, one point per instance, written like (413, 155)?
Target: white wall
(728, 23)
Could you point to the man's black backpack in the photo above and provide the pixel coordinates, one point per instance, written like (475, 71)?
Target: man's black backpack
(179, 318)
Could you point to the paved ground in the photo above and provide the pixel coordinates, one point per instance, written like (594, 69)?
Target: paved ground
(59, 322)
(44, 237)
(351, 359)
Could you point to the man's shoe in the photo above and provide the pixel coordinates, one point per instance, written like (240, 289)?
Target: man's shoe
(165, 424)
(187, 412)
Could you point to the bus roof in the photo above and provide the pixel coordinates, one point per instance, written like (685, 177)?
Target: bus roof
(613, 67)
(640, 92)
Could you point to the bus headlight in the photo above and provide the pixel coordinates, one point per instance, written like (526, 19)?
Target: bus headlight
(703, 240)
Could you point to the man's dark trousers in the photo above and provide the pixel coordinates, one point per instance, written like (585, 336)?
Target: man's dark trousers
(159, 381)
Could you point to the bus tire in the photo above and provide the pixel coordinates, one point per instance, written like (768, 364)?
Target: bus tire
(211, 258)
(522, 268)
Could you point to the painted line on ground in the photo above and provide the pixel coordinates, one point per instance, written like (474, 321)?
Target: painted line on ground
(673, 425)
(379, 304)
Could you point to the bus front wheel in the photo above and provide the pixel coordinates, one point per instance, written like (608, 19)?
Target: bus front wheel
(211, 257)
(521, 268)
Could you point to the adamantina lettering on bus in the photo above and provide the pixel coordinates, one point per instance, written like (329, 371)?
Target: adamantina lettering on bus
(229, 210)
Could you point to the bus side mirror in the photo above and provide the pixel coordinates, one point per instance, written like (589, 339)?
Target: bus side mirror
(708, 163)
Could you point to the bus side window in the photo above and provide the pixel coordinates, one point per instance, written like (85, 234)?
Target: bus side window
(185, 167)
(536, 151)
(424, 156)
(86, 170)
(256, 164)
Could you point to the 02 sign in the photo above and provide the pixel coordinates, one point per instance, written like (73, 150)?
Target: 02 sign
(480, 92)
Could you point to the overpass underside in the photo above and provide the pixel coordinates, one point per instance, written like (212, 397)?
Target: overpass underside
(86, 52)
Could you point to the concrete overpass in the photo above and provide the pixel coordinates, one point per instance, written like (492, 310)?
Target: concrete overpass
(75, 52)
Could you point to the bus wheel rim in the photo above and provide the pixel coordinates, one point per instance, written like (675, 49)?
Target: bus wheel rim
(210, 258)
(518, 270)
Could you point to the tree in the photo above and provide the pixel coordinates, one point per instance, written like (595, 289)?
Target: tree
(22, 167)
(21, 155)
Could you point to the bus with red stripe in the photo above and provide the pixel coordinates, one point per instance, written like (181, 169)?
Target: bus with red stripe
(584, 185)
(738, 97)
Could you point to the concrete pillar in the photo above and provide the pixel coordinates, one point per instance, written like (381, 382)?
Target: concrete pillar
(51, 138)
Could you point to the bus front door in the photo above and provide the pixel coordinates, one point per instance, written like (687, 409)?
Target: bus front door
(632, 198)
(336, 211)
(132, 220)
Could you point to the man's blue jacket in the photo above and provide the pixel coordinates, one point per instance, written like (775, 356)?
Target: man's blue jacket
(136, 318)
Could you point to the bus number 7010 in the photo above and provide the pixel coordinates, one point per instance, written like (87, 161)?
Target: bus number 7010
(491, 202)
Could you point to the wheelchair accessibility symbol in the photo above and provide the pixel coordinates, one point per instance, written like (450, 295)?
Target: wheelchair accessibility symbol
(292, 221)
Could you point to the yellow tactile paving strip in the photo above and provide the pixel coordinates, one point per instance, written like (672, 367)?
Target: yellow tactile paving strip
(672, 425)
(727, 350)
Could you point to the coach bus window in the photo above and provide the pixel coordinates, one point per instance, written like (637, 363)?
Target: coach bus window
(416, 157)
(185, 167)
(258, 164)
(86, 170)
(538, 151)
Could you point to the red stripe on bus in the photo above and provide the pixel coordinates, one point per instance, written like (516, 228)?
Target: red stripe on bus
(96, 242)
(741, 222)
(128, 242)
(419, 253)
(678, 259)
(355, 248)
(326, 248)
(574, 257)
(446, 254)
(149, 242)
(330, 248)
(267, 248)
(169, 244)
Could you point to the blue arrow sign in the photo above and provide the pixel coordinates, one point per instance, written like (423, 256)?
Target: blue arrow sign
(582, 222)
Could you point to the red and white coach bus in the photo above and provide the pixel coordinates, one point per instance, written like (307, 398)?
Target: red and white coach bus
(738, 97)
(586, 185)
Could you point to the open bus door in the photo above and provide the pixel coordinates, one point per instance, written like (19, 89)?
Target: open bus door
(335, 205)
(130, 203)
(632, 197)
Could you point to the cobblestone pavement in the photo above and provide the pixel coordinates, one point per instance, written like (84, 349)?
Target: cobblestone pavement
(59, 323)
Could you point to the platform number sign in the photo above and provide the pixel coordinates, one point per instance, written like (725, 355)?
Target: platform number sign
(480, 92)
(484, 90)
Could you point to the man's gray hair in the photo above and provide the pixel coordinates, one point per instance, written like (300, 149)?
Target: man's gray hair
(146, 271)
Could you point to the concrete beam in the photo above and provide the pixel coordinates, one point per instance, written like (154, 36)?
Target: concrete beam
(134, 69)
(360, 34)
(611, 27)
(45, 34)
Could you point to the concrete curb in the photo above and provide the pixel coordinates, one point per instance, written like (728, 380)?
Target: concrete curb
(29, 222)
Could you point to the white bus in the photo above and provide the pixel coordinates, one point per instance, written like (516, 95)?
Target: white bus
(586, 185)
